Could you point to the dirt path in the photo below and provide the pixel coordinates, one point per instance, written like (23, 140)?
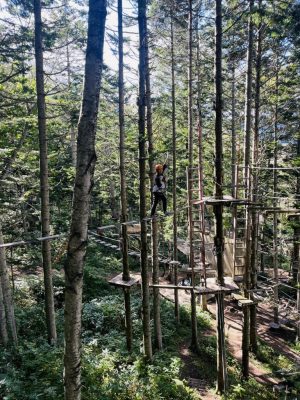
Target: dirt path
(233, 331)
(191, 373)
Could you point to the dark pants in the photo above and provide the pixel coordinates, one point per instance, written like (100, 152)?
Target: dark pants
(158, 196)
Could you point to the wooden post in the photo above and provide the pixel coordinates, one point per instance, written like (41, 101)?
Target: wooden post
(194, 343)
(124, 216)
(255, 215)
(142, 168)
(44, 181)
(7, 313)
(275, 194)
(218, 209)
(247, 193)
(233, 130)
(155, 279)
(245, 343)
(154, 224)
(175, 255)
(200, 170)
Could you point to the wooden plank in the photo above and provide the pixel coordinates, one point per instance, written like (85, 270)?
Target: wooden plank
(245, 302)
(103, 228)
(238, 296)
(118, 280)
(32, 241)
(211, 287)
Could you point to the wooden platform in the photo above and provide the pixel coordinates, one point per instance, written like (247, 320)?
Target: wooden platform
(226, 201)
(211, 287)
(118, 281)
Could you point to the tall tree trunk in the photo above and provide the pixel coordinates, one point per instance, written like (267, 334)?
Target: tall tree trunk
(296, 249)
(112, 200)
(174, 175)
(154, 225)
(72, 129)
(86, 158)
(44, 185)
(275, 194)
(194, 343)
(155, 279)
(247, 153)
(8, 309)
(142, 22)
(3, 325)
(218, 209)
(233, 130)
(254, 217)
(124, 216)
(200, 165)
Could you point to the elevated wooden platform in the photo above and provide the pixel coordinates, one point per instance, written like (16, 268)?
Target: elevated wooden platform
(118, 281)
(243, 301)
(226, 201)
(211, 287)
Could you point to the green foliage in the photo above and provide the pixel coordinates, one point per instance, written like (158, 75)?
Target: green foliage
(249, 390)
(272, 358)
(112, 380)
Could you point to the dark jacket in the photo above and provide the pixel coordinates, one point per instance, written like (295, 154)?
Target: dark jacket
(160, 181)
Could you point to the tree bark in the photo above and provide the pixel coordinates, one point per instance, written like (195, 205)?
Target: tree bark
(200, 169)
(155, 279)
(174, 175)
(218, 209)
(8, 311)
(194, 341)
(247, 183)
(44, 184)
(142, 168)
(275, 194)
(72, 129)
(3, 326)
(86, 158)
(124, 216)
(254, 217)
(154, 225)
(233, 131)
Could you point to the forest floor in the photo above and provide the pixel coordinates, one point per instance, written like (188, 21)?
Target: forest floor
(233, 331)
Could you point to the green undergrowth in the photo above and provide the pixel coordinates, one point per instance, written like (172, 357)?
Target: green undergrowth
(33, 370)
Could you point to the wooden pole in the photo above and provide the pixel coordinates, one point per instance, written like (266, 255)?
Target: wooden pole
(275, 189)
(124, 216)
(174, 175)
(247, 193)
(44, 181)
(142, 168)
(194, 344)
(200, 170)
(255, 214)
(218, 209)
(86, 159)
(155, 279)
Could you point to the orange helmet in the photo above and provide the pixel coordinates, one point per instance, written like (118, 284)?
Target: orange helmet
(159, 168)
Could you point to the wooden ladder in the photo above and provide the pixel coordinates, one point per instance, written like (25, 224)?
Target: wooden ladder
(198, 226)
(239, 226)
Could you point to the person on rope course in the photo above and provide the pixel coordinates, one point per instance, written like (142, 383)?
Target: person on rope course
(159, 189)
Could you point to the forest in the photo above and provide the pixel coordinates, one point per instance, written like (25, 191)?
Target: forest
(150, 199)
